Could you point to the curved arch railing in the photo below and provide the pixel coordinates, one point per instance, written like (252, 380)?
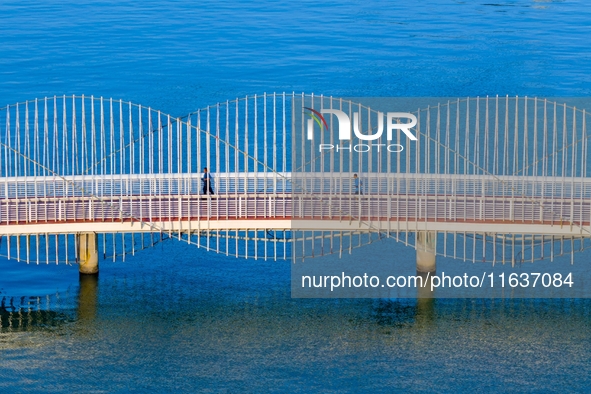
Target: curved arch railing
(494, 160)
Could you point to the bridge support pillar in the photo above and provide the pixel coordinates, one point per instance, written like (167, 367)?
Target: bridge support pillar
(426, 247)
(87, 244)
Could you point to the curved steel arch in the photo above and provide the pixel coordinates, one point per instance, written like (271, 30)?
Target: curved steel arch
(520, 153)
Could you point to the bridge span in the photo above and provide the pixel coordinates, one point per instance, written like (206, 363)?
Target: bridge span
(488, 179)
(388, 202)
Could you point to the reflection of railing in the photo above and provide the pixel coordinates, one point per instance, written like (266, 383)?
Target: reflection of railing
(30, 313)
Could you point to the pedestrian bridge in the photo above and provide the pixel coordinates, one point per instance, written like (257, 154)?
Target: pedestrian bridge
(488, 179)
(420, 202)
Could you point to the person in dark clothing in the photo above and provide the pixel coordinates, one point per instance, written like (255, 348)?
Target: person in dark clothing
(357, 185)
(207, 181)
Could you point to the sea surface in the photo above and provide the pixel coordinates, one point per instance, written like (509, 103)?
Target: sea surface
(175, 318)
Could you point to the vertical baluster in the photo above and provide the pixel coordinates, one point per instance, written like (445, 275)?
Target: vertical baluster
(18, 147)
(246, 169)
(236, 156)
(131, 154)
(103, 145)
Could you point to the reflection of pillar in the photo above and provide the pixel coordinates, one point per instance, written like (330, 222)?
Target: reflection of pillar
(425, 311)
(87, 252)
(87, 297)
(426, 290)
(426, 246)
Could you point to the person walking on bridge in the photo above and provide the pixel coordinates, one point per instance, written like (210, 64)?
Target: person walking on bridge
(207, 181)
(357, 184)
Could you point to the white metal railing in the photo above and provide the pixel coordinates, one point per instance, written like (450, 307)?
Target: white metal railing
(261, 206)
(147, 209)
(299, 183)
(141, 185)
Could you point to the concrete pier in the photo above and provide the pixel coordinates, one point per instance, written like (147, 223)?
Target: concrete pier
(87, 244)
(426, 247)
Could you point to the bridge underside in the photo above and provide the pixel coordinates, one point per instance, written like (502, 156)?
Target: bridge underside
(354, 225)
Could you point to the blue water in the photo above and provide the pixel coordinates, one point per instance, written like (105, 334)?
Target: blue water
(176, 318)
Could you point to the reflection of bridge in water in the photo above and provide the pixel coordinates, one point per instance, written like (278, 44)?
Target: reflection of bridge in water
(500, 180)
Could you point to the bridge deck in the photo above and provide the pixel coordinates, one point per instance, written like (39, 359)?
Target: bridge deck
(287, 211)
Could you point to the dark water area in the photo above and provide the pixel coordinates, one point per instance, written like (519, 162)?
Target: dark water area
(177, 318)
(188, 330)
